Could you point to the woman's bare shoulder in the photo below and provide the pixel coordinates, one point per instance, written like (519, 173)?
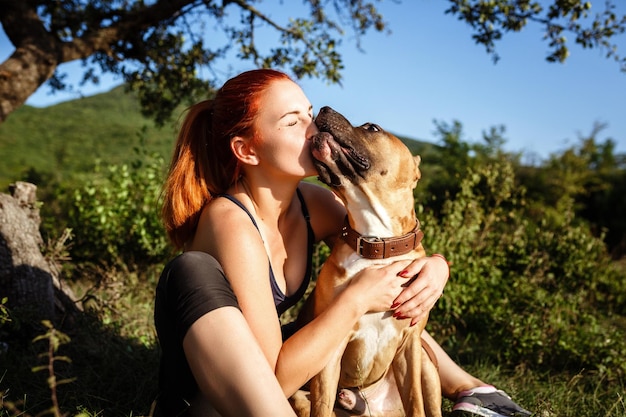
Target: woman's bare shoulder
(221, 221)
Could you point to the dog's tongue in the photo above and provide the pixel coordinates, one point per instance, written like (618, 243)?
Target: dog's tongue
(320, 147)
(321, 153)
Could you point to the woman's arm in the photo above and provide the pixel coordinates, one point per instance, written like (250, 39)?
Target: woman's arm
(230, 368)
(305, 353)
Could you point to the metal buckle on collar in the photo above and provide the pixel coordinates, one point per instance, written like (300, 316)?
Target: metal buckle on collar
(366, 239)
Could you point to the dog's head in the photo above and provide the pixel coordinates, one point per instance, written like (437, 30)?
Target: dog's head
(368, 168)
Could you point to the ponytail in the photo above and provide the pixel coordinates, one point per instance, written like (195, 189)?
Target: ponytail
(185, 189)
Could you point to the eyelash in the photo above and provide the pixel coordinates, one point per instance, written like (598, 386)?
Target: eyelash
(295, 122)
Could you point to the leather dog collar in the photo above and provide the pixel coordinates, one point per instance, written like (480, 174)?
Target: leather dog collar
(372, 247)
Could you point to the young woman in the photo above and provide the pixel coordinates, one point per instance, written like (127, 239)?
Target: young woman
(235, 203)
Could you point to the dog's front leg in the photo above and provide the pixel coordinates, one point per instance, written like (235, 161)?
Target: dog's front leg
(324, 385)
(431, 387)
(407, 369)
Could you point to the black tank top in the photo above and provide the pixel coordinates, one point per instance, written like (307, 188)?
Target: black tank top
(282, 301)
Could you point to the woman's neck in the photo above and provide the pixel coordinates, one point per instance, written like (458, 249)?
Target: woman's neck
(271, 203)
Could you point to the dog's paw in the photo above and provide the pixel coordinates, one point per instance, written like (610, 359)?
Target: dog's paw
(352, 401)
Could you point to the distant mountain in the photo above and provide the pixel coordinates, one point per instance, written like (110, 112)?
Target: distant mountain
(66, 139)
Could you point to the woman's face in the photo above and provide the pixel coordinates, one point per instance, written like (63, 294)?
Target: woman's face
(285, 124)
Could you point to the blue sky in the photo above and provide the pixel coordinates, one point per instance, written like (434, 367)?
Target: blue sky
(429, 68)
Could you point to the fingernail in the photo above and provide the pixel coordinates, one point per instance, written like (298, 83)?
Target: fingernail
(397, 314)
(403, 273)
(394, 305)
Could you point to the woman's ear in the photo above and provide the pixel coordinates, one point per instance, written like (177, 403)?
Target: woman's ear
(244, 150)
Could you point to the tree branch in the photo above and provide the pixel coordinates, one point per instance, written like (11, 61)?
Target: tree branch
(295, 34)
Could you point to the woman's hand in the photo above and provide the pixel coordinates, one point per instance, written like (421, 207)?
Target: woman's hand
(420, 295)
(377, 287)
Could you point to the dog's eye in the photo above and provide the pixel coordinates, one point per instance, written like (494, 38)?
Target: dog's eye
(372, 127)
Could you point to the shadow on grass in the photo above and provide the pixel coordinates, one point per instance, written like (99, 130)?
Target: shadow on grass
(107, 374)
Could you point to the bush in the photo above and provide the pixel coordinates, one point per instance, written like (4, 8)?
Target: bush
(114, 215)
(524, 292)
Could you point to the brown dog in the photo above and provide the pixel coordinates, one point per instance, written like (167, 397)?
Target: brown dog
(374, 174)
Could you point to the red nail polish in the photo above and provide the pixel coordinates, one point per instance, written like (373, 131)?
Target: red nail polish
(403, 273)
(394, 305)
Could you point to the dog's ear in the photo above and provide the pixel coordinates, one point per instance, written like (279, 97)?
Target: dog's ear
(418, 173)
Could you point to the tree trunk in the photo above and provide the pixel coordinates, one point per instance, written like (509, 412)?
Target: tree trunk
(20, 76)
(28, 281)
(34, 60)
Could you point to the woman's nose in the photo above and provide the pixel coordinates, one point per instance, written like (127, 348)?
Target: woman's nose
(311, 130)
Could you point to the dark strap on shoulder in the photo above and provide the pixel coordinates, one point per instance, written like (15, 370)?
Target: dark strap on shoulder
(305, 210)
(241, 206)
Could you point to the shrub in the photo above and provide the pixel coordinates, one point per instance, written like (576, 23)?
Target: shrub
(114, 215)
(524, 292)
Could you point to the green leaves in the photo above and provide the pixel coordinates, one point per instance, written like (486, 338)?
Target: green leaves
(170, 52)
(114, 216)
(168, 74)
(520, 282)
(490, 19)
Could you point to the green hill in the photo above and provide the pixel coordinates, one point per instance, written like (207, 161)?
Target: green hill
(67, 139)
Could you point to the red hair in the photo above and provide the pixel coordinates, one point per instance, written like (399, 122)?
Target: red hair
(203, 164)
